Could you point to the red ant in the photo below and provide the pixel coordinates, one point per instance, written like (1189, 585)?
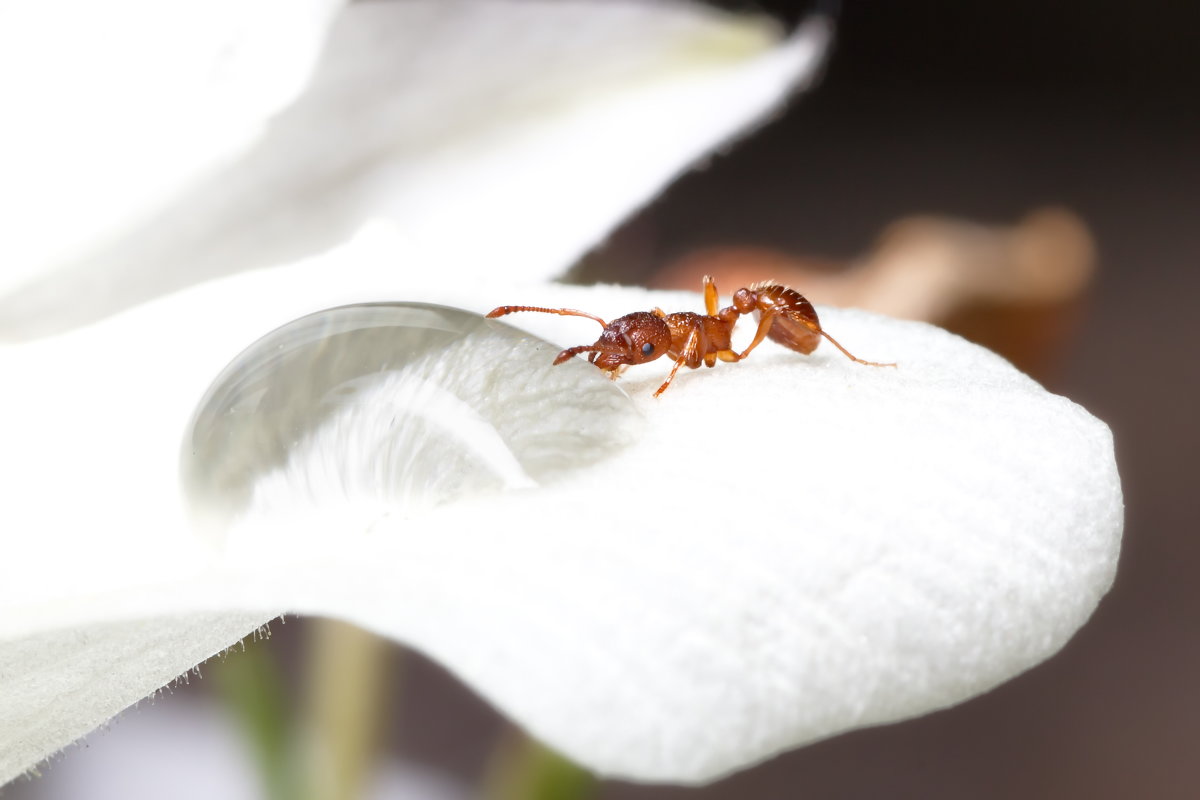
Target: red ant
(785, 316)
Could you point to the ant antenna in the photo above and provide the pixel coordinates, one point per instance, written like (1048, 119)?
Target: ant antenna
(564, 312)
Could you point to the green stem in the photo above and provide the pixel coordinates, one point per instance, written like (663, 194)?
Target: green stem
(343, 703)
(328, 753)
(251, 683)
(522, 769)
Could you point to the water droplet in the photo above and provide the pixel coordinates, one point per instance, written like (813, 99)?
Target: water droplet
(393, 407)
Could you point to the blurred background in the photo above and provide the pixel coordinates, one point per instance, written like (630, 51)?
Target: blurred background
(1051, 155)
(985, 112)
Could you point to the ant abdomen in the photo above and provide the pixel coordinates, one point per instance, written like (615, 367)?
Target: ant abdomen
(795, 324)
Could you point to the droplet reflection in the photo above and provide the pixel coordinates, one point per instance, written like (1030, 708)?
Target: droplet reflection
(393, 407)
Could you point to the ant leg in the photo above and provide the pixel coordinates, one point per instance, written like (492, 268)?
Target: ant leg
(710, 296)
(565, 312)
(678, 363)
(850, 355)
(690, 352)
(728, 356)
(816, 328)
(764, 325)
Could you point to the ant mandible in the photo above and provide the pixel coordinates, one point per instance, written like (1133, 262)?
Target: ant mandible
(784, 316)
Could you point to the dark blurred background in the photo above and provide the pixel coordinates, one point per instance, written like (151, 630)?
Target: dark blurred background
(984, 111)
(980, 111)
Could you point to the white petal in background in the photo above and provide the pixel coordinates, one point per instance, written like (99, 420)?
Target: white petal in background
(111, 109)
(504, 139)
(797, 546)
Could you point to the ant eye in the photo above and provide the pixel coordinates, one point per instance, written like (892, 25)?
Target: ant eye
(647, 349)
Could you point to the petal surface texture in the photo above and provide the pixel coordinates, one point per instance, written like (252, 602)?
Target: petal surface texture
(791, 546)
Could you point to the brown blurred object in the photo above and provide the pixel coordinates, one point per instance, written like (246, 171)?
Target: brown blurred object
(1017, 290)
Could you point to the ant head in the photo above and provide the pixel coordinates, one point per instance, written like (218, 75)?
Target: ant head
(632, 339)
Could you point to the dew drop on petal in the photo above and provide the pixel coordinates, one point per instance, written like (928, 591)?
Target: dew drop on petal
(392, 408)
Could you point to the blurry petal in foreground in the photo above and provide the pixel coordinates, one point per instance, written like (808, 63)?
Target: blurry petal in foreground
(112, 109)
(504, 139)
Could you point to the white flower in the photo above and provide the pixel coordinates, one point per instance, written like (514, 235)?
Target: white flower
(791, 547)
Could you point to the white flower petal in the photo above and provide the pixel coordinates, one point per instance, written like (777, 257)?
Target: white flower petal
(111, 109)
(797, 546)
(502, 138)
(57, 684)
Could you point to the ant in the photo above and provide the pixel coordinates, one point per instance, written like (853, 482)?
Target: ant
(784, 315)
